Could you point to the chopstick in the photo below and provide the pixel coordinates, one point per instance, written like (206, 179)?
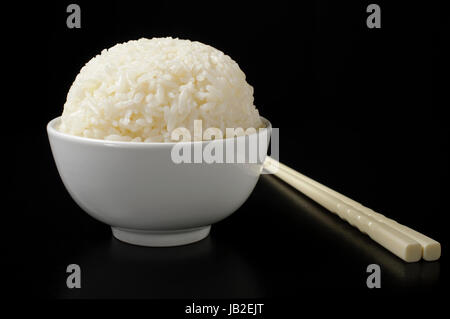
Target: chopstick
(401, 240)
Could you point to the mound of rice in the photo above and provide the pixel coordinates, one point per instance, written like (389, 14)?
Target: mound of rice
(142, 90)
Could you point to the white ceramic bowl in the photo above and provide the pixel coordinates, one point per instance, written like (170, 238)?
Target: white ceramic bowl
(143, 195)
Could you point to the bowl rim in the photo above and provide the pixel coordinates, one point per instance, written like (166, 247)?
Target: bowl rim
(53, 132)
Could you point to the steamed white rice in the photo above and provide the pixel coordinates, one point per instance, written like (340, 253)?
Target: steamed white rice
(142, 90)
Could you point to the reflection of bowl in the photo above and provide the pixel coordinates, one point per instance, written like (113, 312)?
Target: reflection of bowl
(147, 198)
(149, 272)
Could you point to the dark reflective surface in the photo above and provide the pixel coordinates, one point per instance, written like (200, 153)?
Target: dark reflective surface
(201, 270)
(279, 244)
(359, 246)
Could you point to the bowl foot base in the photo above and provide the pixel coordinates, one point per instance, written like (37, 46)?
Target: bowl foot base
(160, 238)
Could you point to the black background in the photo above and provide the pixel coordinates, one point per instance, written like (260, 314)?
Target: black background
(359, 110)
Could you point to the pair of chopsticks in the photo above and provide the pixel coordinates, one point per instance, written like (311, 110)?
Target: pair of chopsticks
(401, 240)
